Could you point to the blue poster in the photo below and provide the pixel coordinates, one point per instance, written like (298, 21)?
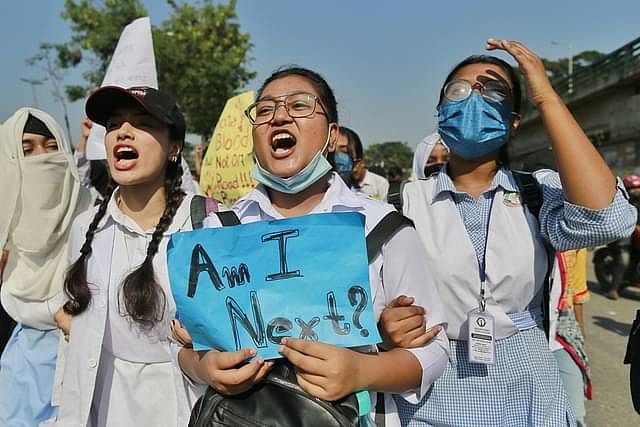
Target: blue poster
(251, 285)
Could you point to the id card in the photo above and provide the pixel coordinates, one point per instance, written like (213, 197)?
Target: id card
(481, 343)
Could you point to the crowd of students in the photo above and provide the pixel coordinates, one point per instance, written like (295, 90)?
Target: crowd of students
(460, 297)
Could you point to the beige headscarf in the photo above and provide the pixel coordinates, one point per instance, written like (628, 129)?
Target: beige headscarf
(39, 198)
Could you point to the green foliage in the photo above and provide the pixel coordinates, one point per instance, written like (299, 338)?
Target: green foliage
(559, 69)
(96, 31)
(387, 154)
(201, 54)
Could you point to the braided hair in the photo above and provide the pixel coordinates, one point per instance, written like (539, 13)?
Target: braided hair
(143, 298)
(76, 287)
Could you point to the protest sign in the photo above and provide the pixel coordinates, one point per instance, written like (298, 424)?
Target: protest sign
(251, 285)
(226, 169)
(133, 64)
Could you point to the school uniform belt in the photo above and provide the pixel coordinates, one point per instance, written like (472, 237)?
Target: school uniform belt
(526, 320)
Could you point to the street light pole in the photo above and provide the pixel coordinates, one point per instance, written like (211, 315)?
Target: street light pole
(570, 69)
(33, 83)
(569, 45)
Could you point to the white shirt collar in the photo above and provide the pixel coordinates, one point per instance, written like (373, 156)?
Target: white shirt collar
(337, 196)
(113, 213)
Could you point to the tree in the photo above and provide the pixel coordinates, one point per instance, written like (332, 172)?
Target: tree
(201, 54)
(559, 69)
(53, 71)
(386, 154)
(96, 31)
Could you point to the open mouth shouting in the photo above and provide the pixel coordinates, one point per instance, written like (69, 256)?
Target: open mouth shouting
(282, 144)
(125, 157)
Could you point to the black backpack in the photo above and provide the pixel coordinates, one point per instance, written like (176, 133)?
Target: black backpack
(531, 196)
(278, 400)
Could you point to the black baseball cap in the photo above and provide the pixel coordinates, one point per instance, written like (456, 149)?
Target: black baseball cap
(162, 106)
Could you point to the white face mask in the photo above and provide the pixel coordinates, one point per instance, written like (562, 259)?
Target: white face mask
(318, 167)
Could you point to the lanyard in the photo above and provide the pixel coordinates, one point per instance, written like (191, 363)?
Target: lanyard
(482, 263)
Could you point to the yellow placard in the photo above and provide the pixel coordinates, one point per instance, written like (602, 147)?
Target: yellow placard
(226, 168)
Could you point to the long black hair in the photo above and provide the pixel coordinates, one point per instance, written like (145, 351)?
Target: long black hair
(319, 83)
(503, 155)
(325, 92)
(488, 59)
(143, 298)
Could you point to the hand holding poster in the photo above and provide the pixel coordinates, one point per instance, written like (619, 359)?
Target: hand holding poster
(252, 285)
(226, 168)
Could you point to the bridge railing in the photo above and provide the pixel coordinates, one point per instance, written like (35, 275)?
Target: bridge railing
(610, 69)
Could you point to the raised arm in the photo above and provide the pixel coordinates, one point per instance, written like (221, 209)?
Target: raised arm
(586, 179)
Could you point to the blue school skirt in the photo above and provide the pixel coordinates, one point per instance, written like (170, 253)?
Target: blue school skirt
(27, 370)
(523, 388)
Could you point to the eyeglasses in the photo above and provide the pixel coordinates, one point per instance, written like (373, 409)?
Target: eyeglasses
(493, 90)
(298, 105)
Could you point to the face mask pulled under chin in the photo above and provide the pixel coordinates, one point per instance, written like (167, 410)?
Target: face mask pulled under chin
(318, 167)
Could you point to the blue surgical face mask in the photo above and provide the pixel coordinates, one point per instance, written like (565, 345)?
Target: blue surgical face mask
(318, 167)
(474, 127)
(344, 166)
(343, 162)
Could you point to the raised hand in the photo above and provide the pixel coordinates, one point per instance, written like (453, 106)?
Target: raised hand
(85, 128)
(539, 87)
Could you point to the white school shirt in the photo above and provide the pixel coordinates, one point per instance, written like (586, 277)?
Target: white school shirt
(129, 372)
(399, 269)
(554, 300)
(374, 186)
(516, 259)
(36, 314)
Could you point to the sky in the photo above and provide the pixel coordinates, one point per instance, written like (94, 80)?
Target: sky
(384, 60)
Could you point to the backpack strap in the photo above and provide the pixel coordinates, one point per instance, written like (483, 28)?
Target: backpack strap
(201, 207)
(386, 228)
(383, 231)
(531, 196)
(228, 218)
(530, 191)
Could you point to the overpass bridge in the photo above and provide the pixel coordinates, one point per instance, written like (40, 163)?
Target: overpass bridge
(605, 99)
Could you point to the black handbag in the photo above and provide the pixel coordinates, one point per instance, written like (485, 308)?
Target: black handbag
(632, 357)
(277, 401)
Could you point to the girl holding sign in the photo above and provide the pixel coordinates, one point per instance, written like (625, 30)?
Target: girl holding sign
(295, 125)
(118, 357)
(486, 229)
(41, 195)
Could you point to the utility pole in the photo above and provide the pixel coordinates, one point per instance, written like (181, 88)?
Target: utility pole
(33, 83)
(555, 43)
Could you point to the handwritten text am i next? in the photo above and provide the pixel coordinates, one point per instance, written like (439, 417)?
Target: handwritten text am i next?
(251, 285)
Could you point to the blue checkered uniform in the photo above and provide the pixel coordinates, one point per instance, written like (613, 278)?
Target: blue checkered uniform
(564, 225)
(523, 388)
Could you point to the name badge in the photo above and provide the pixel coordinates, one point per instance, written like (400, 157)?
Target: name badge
(481, 343)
